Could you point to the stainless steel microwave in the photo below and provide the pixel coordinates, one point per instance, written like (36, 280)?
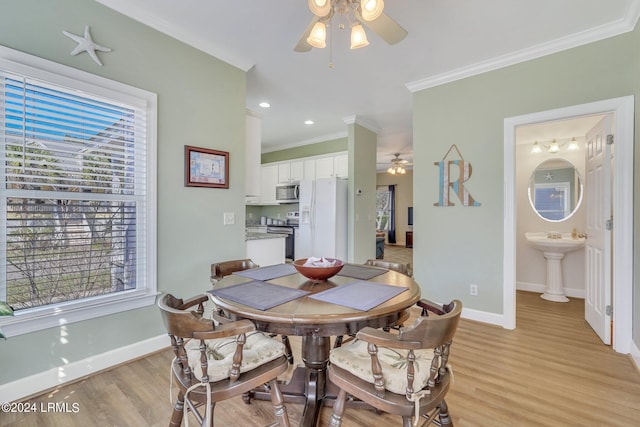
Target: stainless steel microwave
(287, 193)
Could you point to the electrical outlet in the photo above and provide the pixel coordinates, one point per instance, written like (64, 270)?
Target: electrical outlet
(473, 290)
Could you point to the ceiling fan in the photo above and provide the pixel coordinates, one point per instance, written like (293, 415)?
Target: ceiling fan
(398, 165)
(354, 13)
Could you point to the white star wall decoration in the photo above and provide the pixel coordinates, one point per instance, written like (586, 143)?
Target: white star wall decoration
(86, 44)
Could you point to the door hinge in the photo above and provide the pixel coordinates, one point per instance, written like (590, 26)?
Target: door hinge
(609, 310)
(609, 224)
(609, 139)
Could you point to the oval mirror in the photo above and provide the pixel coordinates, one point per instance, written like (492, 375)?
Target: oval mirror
(555, 190)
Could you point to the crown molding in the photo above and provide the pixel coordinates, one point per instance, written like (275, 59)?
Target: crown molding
(602, 32)
(350, 120)
(315, 140)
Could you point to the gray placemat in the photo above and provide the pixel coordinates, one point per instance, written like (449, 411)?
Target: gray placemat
(257, 294)
(361, 295)
(360, 272)
(267, 273)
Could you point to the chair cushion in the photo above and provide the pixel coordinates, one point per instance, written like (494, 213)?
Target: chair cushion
(258, 350)
(355, 359)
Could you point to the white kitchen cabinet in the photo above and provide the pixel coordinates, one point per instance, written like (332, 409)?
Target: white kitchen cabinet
(341, 166)
(324, 167)
(289, 172)
(332, 166)
(309, 172)
(266, 252)
(268, 182)
(297, 170)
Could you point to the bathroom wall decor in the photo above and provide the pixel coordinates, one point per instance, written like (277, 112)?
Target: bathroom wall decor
(454, 179)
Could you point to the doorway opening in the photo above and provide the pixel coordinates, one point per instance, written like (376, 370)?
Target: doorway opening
(622, 192)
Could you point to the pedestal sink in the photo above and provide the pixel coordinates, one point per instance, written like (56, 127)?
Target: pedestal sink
(554, 246)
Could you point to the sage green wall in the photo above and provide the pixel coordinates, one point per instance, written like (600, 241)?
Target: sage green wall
(326, 147)
(463, 245)
(201, 101)
(362, 205)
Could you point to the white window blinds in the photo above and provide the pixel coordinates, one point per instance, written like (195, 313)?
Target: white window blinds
(74, 167)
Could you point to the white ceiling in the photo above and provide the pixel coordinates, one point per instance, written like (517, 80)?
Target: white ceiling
(448, 39)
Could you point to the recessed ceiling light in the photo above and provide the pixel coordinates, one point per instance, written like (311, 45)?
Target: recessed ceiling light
(264, 104)
(308, 122)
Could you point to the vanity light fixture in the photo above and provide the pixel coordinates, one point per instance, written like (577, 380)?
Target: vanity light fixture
(555, 146)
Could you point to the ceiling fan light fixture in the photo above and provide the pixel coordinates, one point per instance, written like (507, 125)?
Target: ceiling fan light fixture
(320, 8)
(318, 36)
(371, 9)
(358, 37)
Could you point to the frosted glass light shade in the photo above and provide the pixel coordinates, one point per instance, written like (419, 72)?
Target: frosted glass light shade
(320, 8)
(371, 9)
(573, 145)
(318, 36)
(554, 147)
(536, 148)
(358, 37)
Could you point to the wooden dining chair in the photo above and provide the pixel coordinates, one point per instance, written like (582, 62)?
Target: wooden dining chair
(225, 268)
(214, 362)
(406, 374)
(222, 269)
(395, 266)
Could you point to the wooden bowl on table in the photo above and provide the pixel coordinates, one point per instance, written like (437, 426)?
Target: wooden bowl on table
(315, 273)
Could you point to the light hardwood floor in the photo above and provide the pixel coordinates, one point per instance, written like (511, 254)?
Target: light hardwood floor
(551, 371)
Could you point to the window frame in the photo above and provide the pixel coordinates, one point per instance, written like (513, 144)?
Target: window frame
(387, 211)
(39, 318)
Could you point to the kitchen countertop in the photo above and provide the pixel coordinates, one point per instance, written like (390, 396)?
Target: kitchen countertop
(259, 236)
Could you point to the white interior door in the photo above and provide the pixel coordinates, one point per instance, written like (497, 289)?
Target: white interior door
(599, 155)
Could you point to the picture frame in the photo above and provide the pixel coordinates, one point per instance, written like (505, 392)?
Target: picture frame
(204, 167)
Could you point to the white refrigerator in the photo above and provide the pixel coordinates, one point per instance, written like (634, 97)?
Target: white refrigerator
(322, 230)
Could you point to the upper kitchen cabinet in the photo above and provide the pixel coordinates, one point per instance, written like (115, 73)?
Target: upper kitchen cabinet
(324, 167)
(268, 182)
(309, 170)
(290, 172)
(341, 165)
(332, 166)
(253, 136)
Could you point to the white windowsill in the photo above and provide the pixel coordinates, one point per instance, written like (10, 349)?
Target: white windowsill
(75, 311)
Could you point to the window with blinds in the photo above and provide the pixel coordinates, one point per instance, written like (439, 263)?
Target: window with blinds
(74, 199)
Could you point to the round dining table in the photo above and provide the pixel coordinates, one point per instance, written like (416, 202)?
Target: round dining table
(316, 322)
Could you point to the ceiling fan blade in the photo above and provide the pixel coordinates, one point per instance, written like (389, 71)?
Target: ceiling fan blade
(302, 45)
(388, 29)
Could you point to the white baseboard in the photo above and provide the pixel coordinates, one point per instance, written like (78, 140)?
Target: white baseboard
(536, 287)
(46, 380)
(483, 316)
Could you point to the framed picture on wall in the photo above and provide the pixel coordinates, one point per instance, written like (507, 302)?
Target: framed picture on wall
(206, 168)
